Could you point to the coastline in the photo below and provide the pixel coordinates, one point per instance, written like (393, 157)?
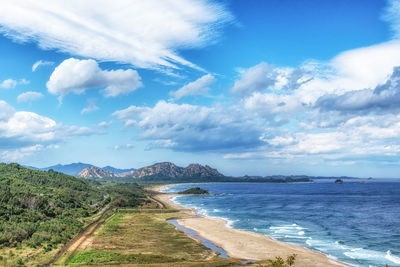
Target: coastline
(240, 244)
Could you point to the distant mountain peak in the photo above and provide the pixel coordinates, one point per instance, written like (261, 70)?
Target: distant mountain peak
(71, 169)
(116, 170)
(170, 170)
(95, 172)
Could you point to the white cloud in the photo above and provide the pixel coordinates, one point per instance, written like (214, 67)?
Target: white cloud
(104, 124)
(256, 78)
(16, 154)
(264, 76)
(8, 84)
(39, 63)
(192, 128)
(142, 33)
(274, 107)
(21, 129)
(19, 153)
(90, 108)
(29, 96)
(357, 138)
(123, 147)
(6, 111)
(198, 87)
(392, 16)
(77, 76)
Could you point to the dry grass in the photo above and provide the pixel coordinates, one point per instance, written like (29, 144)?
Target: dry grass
(144, 237)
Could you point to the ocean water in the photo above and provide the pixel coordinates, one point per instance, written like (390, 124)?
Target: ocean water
(356, 223)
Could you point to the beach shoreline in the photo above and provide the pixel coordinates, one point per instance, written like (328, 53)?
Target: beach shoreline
(240, 244)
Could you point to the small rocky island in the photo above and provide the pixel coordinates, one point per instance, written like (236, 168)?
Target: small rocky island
(339, 181)
(194, 191)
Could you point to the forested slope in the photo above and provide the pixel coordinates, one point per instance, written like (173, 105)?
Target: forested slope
(43, 208)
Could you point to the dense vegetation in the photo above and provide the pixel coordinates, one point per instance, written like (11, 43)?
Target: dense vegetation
(39, 207)
(47, 208)
(126, 194)
(195, 191)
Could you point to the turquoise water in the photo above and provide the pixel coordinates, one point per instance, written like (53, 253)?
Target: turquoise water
(357, 223)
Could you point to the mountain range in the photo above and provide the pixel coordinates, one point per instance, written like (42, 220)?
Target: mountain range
(163, 170)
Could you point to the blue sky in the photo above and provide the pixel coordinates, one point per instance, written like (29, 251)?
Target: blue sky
(249, 87)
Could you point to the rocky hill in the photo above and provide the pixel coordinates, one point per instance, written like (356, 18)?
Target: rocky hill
(116, 170)
(95, 172)
(170, 170)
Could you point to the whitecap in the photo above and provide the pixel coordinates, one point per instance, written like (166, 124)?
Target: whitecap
(301, 233)
(392, 258)
(229, 223)
(296, 237)
(365, 254)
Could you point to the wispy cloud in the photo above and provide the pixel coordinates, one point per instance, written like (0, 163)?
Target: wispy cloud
(145, 34)
(8, 84)
(29, 96)
(198, 87)
(90, 108)
(40, 63)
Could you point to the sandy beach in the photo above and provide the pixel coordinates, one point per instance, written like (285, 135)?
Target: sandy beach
(243, 244)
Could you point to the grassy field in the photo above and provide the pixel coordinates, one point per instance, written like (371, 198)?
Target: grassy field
(138, 237)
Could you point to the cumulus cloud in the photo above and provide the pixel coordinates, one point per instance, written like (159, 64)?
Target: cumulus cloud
(8, 84)
(355, 139)
(145, 34)
(40, 63)
(90, 108)
(104, 124)
(264, 76)
(256, 78)
(385, 97)
(192, 128)
(198, 87)
(19, 153)
(123, 147)
(29, 96)
(342, 110)
(21, 129)
(277, 108)
(6, 111)
(77, 76)
(11, 83)
(16, 154)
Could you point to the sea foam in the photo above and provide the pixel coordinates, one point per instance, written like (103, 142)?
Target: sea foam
(392, 258)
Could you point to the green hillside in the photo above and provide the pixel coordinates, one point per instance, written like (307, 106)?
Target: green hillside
(43, 208)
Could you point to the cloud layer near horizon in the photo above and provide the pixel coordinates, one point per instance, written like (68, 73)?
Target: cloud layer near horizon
(22, 131)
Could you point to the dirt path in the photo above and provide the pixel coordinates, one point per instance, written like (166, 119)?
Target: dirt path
(73, 245)
(160, 204)
(85, 236)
